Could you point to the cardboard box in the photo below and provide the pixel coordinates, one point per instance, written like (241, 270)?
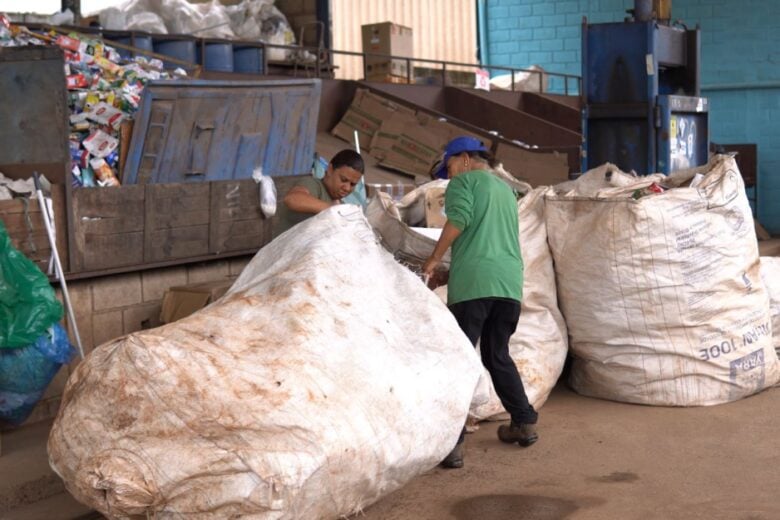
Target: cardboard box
(435, 217)
(533, 167)
(389, 39)
(419, 147)
(365, 115)
(387, 135)
(181, 301)
(385, 77)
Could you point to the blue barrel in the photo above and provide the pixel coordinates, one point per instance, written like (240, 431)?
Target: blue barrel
(216, 56)
(123, 37)
(248, 59)
(142, 41)
(179, 48)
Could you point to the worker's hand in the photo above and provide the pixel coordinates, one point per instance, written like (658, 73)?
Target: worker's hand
(429, 266)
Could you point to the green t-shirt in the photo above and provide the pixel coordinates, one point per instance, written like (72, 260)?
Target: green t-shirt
(486, 260)
(287, 218)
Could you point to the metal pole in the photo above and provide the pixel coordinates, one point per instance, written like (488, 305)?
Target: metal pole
(444, 74)
(74, 6)
(60, 275)
(408, 71)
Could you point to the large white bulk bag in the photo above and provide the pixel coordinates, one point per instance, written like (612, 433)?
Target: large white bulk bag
(327, 377)
(770, 273)
(662, 294)
(539, 344)
(394, 221)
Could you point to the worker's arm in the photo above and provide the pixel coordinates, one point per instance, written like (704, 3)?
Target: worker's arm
(458, 203)
(299, 199)
(448, 236)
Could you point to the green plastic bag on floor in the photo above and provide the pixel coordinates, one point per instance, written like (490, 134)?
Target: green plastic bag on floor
(28, 305)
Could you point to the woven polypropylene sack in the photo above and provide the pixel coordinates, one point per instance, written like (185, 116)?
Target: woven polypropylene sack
(539, 345)
(662, 294)
(770, 273)
(327, 377)
(393, 222)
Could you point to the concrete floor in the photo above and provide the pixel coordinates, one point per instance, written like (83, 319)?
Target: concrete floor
(594, 460)
(604, 460)
(29, 489)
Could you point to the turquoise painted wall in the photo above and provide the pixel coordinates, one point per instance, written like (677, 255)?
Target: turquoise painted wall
(740, 71)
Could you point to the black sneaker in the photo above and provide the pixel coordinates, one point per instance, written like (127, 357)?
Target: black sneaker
(455, 459)
(523, 434)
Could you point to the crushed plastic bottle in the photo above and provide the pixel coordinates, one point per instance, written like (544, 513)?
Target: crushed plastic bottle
(104, 90)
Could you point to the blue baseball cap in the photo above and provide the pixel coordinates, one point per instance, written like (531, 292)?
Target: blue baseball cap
(458, 146)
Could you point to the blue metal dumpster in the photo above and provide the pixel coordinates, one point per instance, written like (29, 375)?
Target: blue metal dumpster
(194, 131)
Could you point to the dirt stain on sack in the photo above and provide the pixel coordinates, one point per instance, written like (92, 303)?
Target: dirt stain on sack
(122, 420)
(310, 288)
(512, 507)
(616, 476)
(305, 309)
(279, 292)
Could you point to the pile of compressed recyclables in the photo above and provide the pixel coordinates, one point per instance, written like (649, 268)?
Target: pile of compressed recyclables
(104, 90)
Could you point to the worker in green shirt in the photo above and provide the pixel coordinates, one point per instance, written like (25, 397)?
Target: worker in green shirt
(486, 277)
(309, 196)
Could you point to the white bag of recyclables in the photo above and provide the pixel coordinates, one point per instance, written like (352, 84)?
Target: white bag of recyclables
(539, 345)
(394, 220)
(662, 295)
(246, 20)
(770, 273)
(327, 377)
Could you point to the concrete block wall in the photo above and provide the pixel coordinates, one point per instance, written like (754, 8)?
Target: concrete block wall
(522, 33)
(739, 73)
(109, 307)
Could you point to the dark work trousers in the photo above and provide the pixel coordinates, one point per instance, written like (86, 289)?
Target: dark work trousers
(492, 321)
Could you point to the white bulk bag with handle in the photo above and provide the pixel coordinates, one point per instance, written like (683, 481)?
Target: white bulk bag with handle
(539, 344)
(770, 273)
(662, 294)
(393, 222)
(327, 377)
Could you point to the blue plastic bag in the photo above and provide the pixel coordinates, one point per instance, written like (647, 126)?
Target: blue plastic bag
(25, 373)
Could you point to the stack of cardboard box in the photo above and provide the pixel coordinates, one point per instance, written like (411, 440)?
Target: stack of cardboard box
(413, 142)
(400, 138)
(391, 40)
(366, 115)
